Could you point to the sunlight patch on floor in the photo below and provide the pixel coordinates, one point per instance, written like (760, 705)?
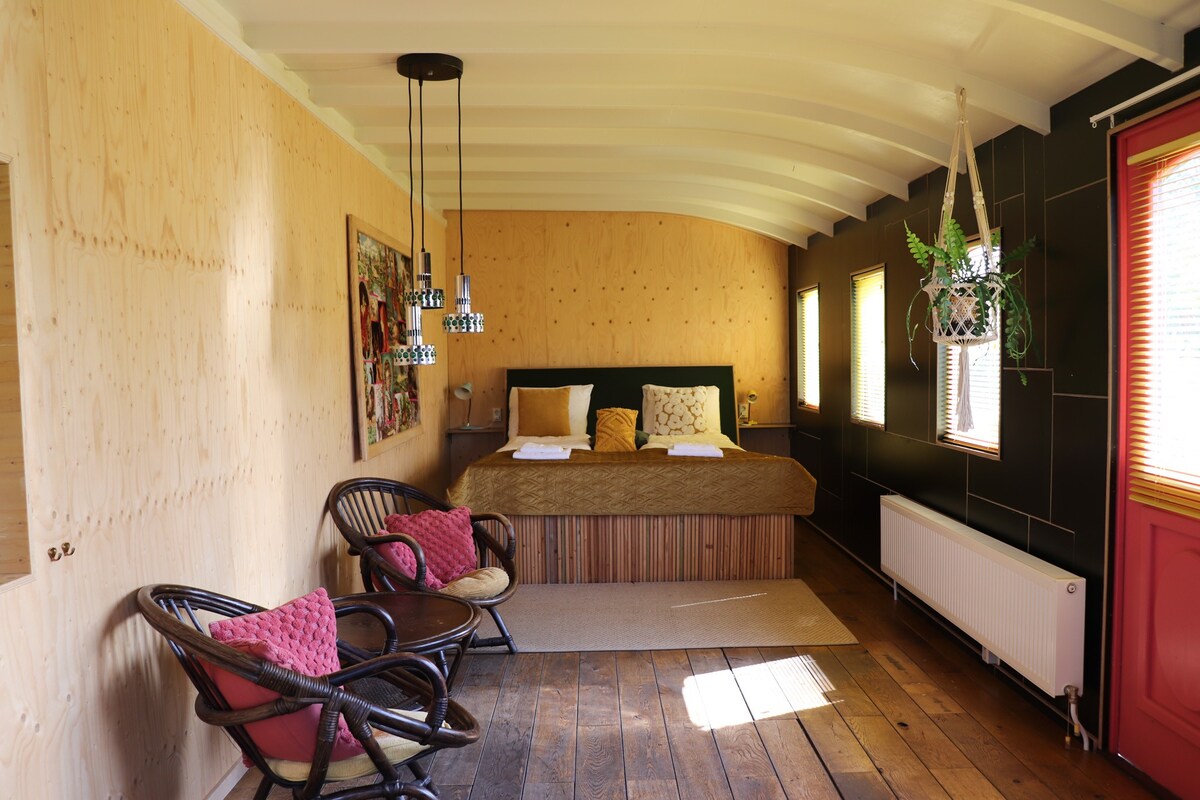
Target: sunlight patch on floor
(769, 690)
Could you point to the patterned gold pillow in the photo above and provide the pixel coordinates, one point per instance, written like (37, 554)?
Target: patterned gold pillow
(674, 410)
(615, 429)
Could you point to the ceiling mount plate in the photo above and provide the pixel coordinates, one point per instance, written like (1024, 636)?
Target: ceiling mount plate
(429, 66)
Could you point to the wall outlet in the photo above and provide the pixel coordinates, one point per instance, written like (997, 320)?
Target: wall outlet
(495, 415)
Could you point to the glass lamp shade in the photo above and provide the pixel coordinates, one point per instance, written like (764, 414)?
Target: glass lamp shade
(425, 295)
(415, 351)
(463, 320)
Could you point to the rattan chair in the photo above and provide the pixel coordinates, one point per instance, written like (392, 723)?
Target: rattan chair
(180, 614)
(358, 508)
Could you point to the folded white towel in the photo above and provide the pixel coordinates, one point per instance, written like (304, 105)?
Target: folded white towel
(695, 450)
(538, 447)
(542, 455)
(694, 447)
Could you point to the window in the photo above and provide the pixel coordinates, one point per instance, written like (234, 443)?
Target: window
(1160, 205)
(867, 352)
(982, 372)
(808, 349)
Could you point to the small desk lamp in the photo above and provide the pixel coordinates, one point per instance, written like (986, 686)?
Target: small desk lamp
(751, 399)
(465, 392)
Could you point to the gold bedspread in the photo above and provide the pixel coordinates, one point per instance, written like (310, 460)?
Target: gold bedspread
(647, 482)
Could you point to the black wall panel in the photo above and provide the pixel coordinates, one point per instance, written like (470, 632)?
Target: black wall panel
(1021, 478)
(861, 535)
(1076, 248)
(1005, 524)
(907, 387)
(1079, 500)
(1049, 493)
(933, 475)
(1009, 148)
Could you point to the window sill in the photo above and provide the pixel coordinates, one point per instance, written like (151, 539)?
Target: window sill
(991, 455)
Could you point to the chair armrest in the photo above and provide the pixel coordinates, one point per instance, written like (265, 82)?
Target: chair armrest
(426, 671)
(343, 606)
(411, 543)
(509, 548)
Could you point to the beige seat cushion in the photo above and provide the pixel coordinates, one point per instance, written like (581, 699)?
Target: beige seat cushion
(396, 749)
(478, 585)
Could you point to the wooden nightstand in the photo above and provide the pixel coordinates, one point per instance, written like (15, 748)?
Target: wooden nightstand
(772, 438)
(468, 445)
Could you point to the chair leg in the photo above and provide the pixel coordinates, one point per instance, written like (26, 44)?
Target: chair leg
(423, 784)
(264, 789)
(505, 638)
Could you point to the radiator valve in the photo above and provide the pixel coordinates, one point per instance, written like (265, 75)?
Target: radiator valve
(1075, 728)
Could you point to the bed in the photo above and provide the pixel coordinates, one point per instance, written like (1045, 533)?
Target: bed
(644, 515)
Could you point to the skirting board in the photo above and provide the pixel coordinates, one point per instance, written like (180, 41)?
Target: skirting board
(227, 784)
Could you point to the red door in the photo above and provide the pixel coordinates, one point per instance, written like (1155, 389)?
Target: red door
(1156, 655)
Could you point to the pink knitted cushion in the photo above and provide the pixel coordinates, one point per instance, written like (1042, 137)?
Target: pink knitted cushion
(300, 635)
(446, 538)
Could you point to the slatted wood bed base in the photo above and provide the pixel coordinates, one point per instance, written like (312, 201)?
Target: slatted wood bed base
(627, 549)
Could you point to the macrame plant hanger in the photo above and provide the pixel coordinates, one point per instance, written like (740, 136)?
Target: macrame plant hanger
(959, 328)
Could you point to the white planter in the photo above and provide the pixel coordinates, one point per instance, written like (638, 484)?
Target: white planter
(959, 328)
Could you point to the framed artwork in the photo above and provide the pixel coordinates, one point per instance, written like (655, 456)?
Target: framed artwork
(387, 396)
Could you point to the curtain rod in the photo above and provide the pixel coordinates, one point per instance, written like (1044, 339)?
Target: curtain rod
(1162, 87)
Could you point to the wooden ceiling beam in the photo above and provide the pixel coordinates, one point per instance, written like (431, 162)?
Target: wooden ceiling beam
(488, 167)
(1106, 23)
(755, 150)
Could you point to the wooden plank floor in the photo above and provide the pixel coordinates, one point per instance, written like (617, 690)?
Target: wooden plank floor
(907, 713)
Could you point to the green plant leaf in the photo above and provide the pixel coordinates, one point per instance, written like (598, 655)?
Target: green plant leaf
(950, 263)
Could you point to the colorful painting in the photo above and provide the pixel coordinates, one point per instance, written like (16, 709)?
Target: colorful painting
(388, 399)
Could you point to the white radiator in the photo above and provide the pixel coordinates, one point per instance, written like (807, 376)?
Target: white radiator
(1025, 611)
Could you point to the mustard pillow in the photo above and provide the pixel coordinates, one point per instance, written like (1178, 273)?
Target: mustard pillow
(615, 430)
(544, 412)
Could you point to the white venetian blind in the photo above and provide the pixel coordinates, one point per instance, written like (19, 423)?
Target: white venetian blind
(808, 348)
(867, 352)
(984, 380)
(1162, 213)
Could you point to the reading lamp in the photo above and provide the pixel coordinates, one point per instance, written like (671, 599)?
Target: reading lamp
(466, 392)
(751, 399)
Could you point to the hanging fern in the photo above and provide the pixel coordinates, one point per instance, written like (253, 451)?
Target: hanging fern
(950, 263)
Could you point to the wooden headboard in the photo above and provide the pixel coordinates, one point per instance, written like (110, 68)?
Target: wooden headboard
(621, 387)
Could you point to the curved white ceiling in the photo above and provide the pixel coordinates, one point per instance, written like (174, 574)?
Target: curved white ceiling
(779, 116)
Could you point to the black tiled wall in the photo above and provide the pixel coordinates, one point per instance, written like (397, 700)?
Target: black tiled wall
(1050, 494)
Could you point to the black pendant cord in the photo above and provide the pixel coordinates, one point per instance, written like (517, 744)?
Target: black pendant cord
(462, 248)
(421, 105)
(412, 228)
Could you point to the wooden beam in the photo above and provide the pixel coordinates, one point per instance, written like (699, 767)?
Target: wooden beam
(548, 105)
(761, 151)
(1104, 22)
(441, 169)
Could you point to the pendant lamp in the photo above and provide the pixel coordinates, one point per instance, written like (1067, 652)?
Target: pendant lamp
(462, 319)
(423, 67)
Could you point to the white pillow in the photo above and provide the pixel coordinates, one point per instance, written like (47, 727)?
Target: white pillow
(577, 407)
(681, 409)
(712, 409)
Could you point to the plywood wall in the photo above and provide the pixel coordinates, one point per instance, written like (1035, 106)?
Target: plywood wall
(563, 289)
(14, 529)
(180, 258)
